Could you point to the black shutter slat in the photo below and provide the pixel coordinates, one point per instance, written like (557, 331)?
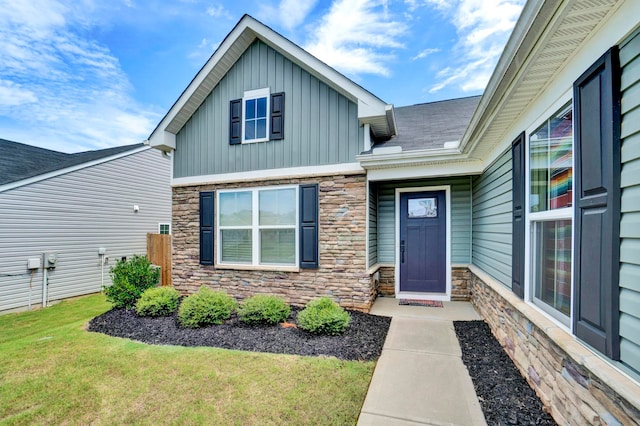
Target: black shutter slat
(309, 226)
(235, 122)
(207, 213)
(276, 130)
(597, 224)
(518, 229)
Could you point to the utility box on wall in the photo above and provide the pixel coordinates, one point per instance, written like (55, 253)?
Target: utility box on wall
(50, 260)
(33, 263)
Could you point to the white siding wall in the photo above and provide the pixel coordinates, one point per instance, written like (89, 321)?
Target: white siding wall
(73, 215)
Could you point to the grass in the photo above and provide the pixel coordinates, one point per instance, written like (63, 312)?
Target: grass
(52, 371)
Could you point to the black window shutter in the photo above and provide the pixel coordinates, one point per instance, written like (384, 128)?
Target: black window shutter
(276, 131)
(517, 230)
(597, 182)
(235, 122)
(309, 226)
(206, 227)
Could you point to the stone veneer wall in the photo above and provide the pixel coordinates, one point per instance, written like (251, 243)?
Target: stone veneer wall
(572, 382)
(387, 281)
(460, 289)
(342, 272)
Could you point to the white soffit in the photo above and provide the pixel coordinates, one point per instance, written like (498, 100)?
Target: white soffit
(534, 64)
(371, 109)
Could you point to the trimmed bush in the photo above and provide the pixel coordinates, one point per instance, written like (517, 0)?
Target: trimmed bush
(130, 278)
(205, 307)
(323, 316)
(157, 302)
(263, 309)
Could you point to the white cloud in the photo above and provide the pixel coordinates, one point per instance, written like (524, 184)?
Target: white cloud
(218, 11)
(425, 53)
(67, 89)
(357, 37)
(12, 94)
(483, 28)
(288, 13)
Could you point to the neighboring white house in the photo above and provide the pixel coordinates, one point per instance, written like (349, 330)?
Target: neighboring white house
(82, 212)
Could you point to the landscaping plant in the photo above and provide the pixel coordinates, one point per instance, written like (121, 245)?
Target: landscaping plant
(205, 307)
(323, 316)
(157, 302)
(263, 309)
(130, 278)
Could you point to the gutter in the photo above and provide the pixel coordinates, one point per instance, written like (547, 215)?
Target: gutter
(386, 157)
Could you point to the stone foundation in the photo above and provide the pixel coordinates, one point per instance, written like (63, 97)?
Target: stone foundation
(342, 272)
(460, 289)
(387, 281)
(573, 383)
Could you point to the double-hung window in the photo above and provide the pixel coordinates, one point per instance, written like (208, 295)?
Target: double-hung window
(258, 226)
(255, 110)
(550, 217)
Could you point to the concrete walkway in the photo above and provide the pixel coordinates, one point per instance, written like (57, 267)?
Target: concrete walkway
(420, 377)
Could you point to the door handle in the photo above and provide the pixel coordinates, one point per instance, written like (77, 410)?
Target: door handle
(402, 251)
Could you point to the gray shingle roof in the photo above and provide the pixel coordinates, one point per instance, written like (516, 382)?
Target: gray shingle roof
(430, 125)
(19, 161)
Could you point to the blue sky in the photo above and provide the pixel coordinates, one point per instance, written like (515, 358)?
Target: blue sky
(90, 74)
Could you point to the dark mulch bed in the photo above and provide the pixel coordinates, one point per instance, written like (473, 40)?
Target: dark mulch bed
(363, 339)
(504, 395)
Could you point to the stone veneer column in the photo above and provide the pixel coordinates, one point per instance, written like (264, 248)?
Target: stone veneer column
(342, 245)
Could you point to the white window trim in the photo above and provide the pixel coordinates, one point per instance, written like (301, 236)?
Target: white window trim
(256, 94)
(160, 226)
(255, 229)
(558, 214)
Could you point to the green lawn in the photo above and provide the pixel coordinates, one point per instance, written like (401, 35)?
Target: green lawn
(52, 371)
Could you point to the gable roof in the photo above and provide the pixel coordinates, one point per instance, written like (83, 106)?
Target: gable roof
(371, 109)
(431, 125)
(19, 161)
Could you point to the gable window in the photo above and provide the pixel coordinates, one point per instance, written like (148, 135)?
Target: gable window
(257, 117)
(255, 107)
(550, 215)
(258, 226)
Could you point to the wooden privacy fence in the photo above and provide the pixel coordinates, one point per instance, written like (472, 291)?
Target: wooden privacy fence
(159, 253)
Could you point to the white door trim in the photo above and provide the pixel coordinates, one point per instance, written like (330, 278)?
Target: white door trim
(414, 295)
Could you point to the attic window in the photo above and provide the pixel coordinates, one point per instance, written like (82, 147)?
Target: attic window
(255, 110)
(257, 117)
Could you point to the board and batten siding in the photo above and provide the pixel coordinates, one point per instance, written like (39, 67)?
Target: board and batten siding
(321, 126)
(460, 217)
(630, 220)
(73, 215)
(492, 214)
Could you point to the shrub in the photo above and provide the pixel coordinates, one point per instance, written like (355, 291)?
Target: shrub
(130, 278)
(158, 301)
(205, 307)
(263, 309)
(323, 316)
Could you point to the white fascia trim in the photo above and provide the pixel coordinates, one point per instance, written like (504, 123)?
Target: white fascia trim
(367, 137)
(426, 171)
(409, 157)
(284, 173)
(55, 173)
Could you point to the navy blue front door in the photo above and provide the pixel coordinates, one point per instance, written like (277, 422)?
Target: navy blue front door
(423, 242)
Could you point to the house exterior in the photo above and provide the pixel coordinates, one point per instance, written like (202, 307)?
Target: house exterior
(289, 179)
(67, 218)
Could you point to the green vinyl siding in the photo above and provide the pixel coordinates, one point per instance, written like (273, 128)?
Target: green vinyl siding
(373, 224)
(321, 126)
(460, 217)
(630, 220)
(492, 215)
